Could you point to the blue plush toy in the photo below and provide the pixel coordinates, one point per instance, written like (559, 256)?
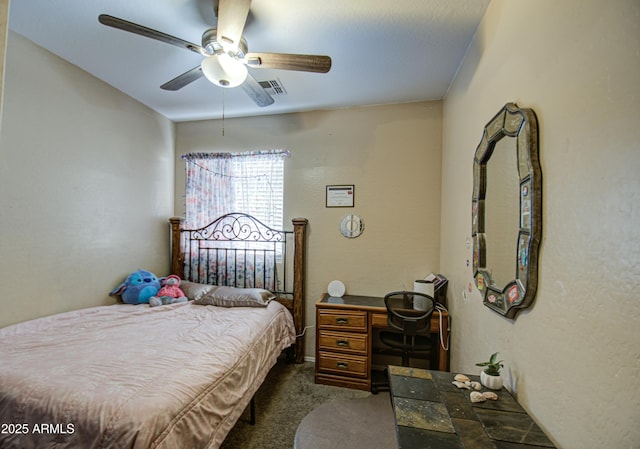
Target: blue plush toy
(138, 287)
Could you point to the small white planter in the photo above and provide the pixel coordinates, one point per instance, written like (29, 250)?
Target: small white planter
(492, 382)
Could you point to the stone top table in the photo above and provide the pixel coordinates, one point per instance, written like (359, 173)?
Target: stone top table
(431, 412)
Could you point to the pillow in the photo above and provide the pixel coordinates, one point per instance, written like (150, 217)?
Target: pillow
(193, 290)
(236, 297)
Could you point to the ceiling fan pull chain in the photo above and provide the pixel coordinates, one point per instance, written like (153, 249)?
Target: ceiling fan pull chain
(223, 113)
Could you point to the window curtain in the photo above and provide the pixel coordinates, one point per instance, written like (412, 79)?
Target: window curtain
(221, 183)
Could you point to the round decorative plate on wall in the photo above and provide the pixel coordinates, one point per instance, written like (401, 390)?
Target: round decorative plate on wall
(351, 226)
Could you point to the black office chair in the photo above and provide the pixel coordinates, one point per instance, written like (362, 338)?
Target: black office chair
(409, 318)
(409, 321)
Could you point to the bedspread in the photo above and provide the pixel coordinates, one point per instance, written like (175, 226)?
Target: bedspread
(124, 376)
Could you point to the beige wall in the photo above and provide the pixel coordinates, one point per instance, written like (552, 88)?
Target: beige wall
(393, 156)
(573, 358)
(4, 29)
(86, 182)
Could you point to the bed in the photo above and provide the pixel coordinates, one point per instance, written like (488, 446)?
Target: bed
(174, 376)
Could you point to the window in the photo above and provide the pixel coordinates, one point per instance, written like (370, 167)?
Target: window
(221, 183)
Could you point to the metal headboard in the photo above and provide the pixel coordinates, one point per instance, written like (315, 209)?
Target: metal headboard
(237, 250)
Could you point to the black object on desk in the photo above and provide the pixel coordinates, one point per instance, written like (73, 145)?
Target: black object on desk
(431, 412)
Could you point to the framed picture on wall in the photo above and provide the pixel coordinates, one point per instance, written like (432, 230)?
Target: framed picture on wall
(340, 195)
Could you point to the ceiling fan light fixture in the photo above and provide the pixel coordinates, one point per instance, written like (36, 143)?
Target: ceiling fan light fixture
(223, 70)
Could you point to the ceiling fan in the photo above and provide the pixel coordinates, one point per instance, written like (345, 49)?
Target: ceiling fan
(225, 53)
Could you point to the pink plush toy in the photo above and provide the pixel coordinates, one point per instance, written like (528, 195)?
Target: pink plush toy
(170, 292)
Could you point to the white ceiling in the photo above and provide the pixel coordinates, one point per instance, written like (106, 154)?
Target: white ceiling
(383, 51)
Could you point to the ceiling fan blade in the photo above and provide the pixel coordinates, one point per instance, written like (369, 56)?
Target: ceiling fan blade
(303, 63)
(182, 80)
(232, 16)
(131, 27)
(256, 92)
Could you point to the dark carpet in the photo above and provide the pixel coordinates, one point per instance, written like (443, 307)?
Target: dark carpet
(287, 395)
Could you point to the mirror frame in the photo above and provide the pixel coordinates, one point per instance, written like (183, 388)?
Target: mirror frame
(521, 124)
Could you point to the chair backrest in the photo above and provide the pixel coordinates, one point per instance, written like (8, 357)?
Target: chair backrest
(404, 317)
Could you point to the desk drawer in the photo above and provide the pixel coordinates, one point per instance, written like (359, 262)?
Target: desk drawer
(342, 364)
(379, 319)
(352, 320)
(343, 342)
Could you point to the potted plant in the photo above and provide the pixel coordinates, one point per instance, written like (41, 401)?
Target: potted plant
(490, 377)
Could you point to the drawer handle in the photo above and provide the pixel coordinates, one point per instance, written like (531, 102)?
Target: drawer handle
(342, 320)
(342, 365)
(343, 343)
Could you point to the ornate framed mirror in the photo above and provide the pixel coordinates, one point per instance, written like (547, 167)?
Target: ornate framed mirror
(507, 211)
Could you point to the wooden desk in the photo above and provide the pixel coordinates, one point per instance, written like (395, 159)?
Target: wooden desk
(431, 412)
(344, 330)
